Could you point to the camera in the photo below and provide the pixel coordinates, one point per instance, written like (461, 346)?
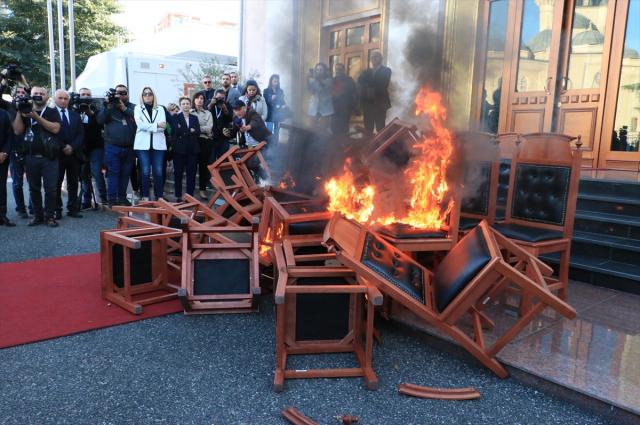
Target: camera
(24, 104)
(78, 103)
(112, 97)
(12, 72)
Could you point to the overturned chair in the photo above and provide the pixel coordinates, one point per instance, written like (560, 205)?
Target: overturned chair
(320, 309)
(465, 281)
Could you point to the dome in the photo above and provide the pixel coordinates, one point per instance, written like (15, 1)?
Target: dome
(590, 37)
(581, 22)
(541, 41)
(630, 53)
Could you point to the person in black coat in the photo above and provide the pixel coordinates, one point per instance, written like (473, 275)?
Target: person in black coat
(71, 136)
(277, 107)
(222, 115)
(6, 137)
(345, 101)
(251, 129)
(374, 93)
(185, 148)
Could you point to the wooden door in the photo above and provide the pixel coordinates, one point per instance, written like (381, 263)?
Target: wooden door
(583, 72)
(620, 139)
(531, 83)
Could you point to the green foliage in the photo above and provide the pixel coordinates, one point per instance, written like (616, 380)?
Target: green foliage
(210, 66)
(24, 39)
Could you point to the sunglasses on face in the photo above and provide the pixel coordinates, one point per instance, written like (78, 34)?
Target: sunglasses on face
(147, 93)
(122, 93)
(206, 82)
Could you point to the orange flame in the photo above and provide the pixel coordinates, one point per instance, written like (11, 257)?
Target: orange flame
(267, 242)
(287, 182)
(426, 186)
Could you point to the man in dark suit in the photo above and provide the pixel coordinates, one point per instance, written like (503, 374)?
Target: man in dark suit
(374, 93)
(222, 119)
(71, 136)
(6, 137)
(185, 148)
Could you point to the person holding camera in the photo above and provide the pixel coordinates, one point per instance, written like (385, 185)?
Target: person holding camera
(71, 136)
(117, 117)
(39, 126)
(6, 137)
(319, 83)
(222, 120)
(17, 165)
(150, 144)
(93, 146)
(251, 128)
(185, 148)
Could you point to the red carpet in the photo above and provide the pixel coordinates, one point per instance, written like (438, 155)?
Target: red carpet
(42, 299)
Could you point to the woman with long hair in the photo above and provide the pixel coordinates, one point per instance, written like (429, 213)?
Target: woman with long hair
(278, 110)
(319, 83)
(205, 141)
(252, 97)
(150, 144)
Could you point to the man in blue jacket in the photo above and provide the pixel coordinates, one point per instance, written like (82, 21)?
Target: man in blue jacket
(119, 133)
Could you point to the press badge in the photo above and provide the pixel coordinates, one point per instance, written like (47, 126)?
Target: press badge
(124, 122)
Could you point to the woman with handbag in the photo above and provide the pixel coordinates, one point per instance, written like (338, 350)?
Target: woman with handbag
(150, 143)
(278, 110)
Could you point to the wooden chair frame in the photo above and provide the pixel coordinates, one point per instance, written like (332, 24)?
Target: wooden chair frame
(549, 149)
(132, 296)
(210, 243)
(347, 239)
(291, 267)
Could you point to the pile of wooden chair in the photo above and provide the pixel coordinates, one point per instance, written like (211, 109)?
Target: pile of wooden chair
(331, 274)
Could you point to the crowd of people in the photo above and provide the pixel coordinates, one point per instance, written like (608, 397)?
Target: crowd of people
(99, 149)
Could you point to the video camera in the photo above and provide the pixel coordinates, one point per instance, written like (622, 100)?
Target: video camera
(80, 104)
(12, 72)
(24, 104)
(112, 97)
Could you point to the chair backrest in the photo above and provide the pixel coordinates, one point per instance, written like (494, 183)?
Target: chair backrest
(480, 175)
(543, 184)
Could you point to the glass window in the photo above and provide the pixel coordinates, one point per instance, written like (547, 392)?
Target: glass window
(535, 43)
(374, 32)
(587, 45)
(355, 36)
(354, 66)
(334, 40)
(496, 39)
(333, 60)
(625, 134)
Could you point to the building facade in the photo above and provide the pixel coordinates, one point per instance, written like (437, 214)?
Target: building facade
(570, 66)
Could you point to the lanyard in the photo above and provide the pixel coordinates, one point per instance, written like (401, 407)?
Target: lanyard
(32, 122)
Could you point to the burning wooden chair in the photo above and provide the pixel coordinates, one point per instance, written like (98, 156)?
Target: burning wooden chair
(134, 265)
(541, 205)
(465, 281)
(481, 174)
(319, 310)
(219, 268)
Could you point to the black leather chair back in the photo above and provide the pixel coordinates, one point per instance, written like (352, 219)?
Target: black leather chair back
(459, 267)
(540, 193)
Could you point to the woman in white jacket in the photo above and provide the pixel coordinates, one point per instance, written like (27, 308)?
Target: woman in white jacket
(252, 97)
(150, 144)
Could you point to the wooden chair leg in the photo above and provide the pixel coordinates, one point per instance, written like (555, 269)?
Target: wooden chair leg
(563, 274)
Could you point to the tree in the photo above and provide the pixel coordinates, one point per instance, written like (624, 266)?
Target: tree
(24, 39)
(210, 66)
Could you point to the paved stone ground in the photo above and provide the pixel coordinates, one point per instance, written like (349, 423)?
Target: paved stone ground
(219, 369)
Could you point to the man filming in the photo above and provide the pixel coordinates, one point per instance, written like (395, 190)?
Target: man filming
(93, 146)
(222, 120)
(71, 135)
(119, 134)
(39, 126)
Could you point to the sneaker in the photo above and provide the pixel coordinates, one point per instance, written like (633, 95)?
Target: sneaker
(203, 194)
(123, 202)
(52, 223)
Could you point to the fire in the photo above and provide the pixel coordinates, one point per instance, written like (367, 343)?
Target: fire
(267, 242)
(426, 188)
(287, 182)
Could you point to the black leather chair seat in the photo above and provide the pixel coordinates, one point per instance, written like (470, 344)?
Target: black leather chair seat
(404, 231)
(526, 233)
(307, 227)
(468, 223)
(322, 317)
(459, 267)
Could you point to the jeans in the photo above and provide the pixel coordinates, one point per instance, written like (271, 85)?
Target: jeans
(93, 168)
(152, 160)
(18, 169)
(42, 170)
(69, 165)
(119, 161)
(180, 162)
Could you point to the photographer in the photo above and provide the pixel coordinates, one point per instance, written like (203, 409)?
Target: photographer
(10, 75)
(222, 120)
(117, 117)
(71, 135)
(93, 146)
(6, 136)
(252, 130)
(17, 165)
(39, 126)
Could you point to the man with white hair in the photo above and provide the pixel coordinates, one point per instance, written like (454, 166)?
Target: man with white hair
(71, 136)
(39, 128)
